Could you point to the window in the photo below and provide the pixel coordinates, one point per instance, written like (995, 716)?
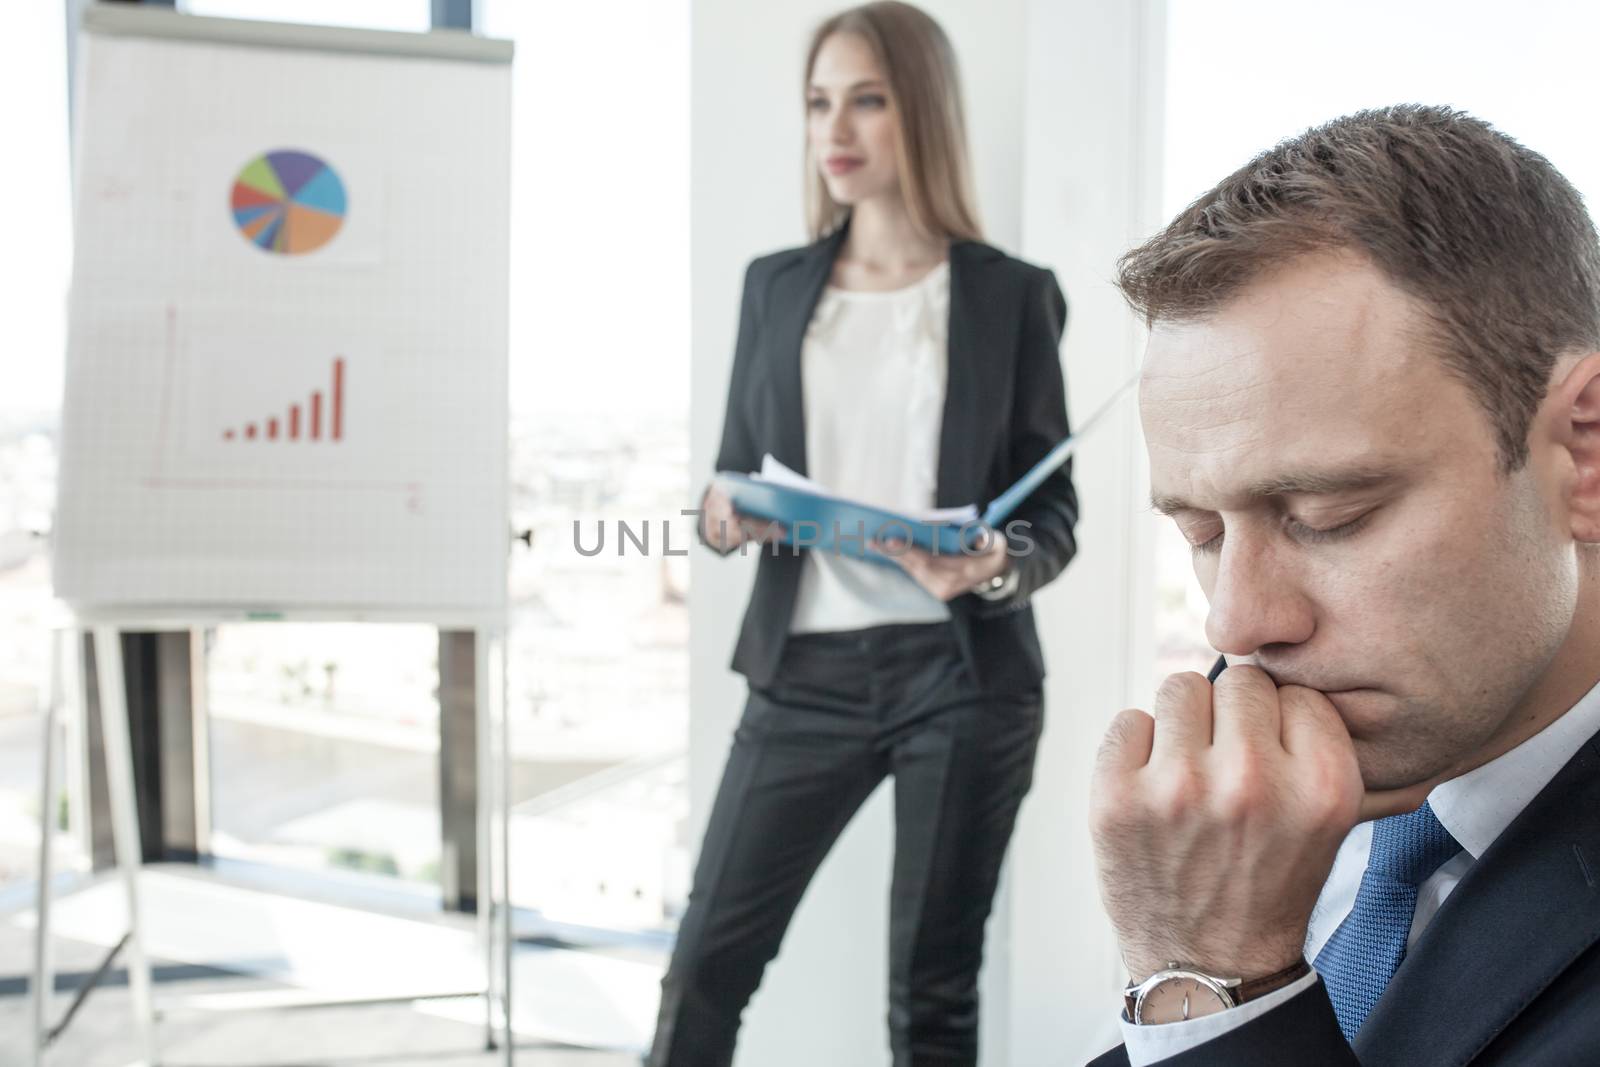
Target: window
(414, 15)
(35, 263)
(598, 660)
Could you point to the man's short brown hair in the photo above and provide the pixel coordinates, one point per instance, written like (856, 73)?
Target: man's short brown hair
(1485, 234)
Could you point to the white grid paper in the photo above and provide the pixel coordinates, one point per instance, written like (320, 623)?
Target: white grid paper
(181, 328)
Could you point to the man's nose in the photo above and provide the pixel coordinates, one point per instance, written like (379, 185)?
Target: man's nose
(1256, 599)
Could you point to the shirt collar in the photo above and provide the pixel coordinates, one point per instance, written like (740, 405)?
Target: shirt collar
(1477, 806)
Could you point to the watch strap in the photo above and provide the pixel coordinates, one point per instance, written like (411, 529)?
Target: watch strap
(1260, 987)
(1000, 586)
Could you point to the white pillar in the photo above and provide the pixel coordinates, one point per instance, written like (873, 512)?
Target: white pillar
(1091, 189)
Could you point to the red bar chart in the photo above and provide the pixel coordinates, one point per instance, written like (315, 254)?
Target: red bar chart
(288, 426)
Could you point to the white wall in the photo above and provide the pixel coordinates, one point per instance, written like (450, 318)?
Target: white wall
(1091, 189)
(1068, 195)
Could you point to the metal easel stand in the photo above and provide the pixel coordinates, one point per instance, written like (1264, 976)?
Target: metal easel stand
(125, 841)
(43, 972)
(494, 841)
(493, 830)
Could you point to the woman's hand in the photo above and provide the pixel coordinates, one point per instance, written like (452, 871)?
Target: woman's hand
(725, 529)
(947, 575)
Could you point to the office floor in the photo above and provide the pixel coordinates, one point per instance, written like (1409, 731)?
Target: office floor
(368, 1036)
(193, 1032)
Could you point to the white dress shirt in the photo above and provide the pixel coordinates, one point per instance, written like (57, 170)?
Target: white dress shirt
(1475, 808)
(873, 368)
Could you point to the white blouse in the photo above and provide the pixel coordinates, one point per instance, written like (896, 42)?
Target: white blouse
(873, 368)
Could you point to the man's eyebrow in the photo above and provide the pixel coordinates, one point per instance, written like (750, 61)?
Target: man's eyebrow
(1292, 483)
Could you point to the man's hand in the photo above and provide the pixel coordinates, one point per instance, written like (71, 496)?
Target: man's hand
(945, 574)
(1216, 821)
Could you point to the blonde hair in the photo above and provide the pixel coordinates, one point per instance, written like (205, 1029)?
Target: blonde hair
(931, 134)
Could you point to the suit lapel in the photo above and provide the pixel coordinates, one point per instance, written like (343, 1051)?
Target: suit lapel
(790, 304)
(978, 307)
(1521, 915)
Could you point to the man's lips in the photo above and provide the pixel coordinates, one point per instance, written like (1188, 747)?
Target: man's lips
(1326, 686)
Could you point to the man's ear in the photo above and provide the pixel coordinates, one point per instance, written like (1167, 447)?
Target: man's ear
(1579, 425)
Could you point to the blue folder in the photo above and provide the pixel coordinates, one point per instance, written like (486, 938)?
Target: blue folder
(832, 524)
(828, 523)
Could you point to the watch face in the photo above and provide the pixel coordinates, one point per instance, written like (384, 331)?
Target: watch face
(1176, 999)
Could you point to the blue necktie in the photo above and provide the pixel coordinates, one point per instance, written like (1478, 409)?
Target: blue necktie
(1363, 954)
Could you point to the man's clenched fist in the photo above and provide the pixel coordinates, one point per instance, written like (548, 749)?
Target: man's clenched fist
(1216, 820)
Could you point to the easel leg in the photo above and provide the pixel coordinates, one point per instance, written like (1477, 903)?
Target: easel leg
(494, 781)
(484, 809)
(496, 684)
(43, 973)
(125, 824)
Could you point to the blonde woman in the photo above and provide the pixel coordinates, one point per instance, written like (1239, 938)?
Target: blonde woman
(899, 360)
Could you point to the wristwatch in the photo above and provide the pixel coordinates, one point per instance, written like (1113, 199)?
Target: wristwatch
(1000, 586)
(1179, 993)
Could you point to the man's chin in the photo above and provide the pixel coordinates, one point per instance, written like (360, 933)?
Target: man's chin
(1389, 763)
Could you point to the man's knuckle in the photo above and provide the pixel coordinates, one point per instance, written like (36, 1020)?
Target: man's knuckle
(1243, 676)
(1182, 690)
(1323, 797)
(1246, 688)
(1110, 813)
(1311, 710)
(1122, 731)
(1173, 797)
(1241, 795)
(1178, 704)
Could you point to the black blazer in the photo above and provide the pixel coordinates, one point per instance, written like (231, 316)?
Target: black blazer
(1507, 974)
(1005, 407)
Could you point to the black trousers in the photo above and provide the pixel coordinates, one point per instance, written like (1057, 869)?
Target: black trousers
(845, 710)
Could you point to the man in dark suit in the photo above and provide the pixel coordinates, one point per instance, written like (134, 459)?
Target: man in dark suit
(1372, 404)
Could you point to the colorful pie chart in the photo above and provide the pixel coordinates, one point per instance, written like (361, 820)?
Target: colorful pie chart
(288, 202)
